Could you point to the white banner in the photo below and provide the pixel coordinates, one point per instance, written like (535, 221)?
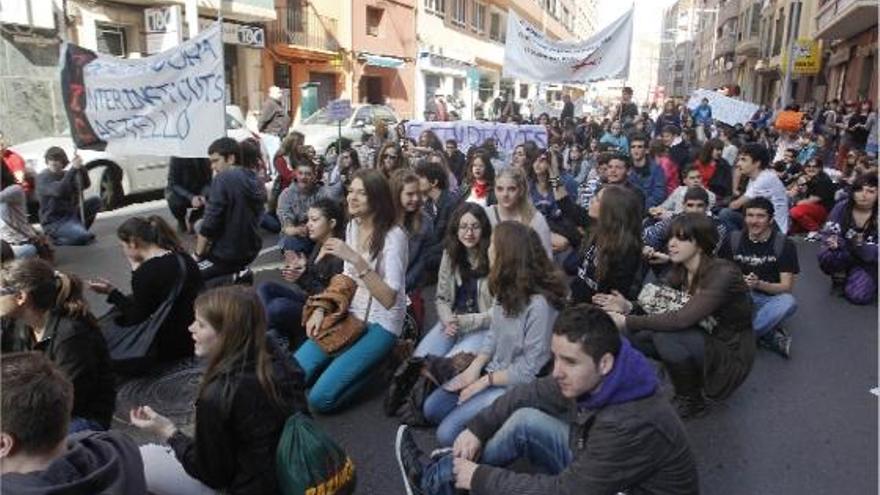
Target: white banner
(724, 108)
(529, 55)
(171, 103)
(470, 133)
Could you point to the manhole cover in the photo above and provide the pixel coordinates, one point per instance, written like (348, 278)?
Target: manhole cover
(170, 391)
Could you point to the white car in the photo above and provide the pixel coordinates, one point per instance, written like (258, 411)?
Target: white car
(114, 177)
(321, 132)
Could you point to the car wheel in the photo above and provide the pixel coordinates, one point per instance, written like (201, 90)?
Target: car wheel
(111, 189)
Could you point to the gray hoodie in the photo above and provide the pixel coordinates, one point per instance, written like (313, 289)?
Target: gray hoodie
(105, 463)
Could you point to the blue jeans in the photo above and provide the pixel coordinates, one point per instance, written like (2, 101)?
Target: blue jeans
(442, 409)
(335, 380)
(284, 307)
(527, 434)
(296, 243)
(731, 219)
(72, 232)
(771, 311)
(82, 424)
(437, 343)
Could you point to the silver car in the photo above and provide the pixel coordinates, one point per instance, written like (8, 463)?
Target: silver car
(321, 132)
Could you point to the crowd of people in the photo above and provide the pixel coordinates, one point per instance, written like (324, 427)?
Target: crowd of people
(571, 279)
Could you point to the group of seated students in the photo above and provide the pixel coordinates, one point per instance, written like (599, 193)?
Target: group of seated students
(562, 304)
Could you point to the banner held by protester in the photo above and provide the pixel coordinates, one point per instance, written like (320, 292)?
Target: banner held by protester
(724, 108)
(530, 55)
(172, 103)
(470, 133)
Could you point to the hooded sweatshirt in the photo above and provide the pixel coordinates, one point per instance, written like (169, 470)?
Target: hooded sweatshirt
(94, 463)
(232, 216)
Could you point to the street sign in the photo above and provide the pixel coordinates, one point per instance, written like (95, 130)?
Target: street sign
(474, 78)
(339, 109)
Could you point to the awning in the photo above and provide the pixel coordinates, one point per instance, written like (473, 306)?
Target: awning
(381, 61)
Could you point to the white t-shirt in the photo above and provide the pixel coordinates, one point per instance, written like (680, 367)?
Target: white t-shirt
(539, 225)
(391, 266)
(768, 185)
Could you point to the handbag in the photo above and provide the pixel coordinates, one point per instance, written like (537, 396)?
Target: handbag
(339, 328)
(656, 299)
(134, 342)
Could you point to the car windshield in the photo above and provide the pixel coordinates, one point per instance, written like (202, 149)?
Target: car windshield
(320, 118)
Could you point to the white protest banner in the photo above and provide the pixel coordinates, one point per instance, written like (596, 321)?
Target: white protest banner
(172, 103)
(724, 108)
(470, 133)
(531, 56)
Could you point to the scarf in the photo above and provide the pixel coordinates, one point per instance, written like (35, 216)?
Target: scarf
(481, 189)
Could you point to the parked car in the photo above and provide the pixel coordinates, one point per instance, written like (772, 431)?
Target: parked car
(114, 177)
(321, 132)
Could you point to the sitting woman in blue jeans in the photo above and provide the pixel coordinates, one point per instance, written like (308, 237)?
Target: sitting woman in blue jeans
(463, 298)
(375, 256)
(529, 291)
(307, 275)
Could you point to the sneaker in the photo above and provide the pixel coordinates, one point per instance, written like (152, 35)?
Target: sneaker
(813, 237)
(243, 277)
(689, 407)
(411, 460)
(782, 343)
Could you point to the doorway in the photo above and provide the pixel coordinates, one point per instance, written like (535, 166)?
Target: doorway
(371, 90)
(326, 87)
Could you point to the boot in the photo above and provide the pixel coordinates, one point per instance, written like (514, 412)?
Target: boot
(688, 382)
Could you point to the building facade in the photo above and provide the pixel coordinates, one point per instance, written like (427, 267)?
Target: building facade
(849, 30)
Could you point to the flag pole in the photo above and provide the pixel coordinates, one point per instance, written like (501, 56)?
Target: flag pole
(65, 25)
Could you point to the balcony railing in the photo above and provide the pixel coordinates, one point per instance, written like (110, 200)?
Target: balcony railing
(303, 29)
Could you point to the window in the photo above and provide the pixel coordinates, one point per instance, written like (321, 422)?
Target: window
(777, 33)
(478, 19)
(755, 24)
(436, 7)
(459, 12)
(374, 20)
(523, 91)
(111, 40)
(495, 26)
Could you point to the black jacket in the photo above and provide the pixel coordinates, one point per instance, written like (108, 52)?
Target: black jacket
(58, 194)
(108, 463)
(151, 284)
(79, 350)
(638, 446)
(238, 428)
(232, 216)
(187, 177)
(433, 249)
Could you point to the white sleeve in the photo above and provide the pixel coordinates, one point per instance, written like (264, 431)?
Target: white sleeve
(395, 256)
(347, 268)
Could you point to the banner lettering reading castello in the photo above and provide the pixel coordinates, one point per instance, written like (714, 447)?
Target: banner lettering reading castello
(531, 56)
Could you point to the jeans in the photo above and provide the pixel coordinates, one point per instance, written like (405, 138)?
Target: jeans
(731, 219)
(83, 424)
(442, 408)
(528, 433)
(24, 250)
(284, 307)
(296, 243)
(165, 475)
(682, 352)
(437, 343)
(771, 311)
(73, 232)
(335, 380)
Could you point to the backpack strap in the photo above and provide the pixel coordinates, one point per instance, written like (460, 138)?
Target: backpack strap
(779, 243)
(735, 241)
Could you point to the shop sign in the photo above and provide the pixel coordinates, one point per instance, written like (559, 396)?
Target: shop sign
(807, 56)
(163, 27)
(239, 34)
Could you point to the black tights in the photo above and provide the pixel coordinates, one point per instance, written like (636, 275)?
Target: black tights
(682, 352)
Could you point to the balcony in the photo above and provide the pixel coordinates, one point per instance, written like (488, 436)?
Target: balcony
(841, 19)
(725, 45)
(303, 30)
(730, 10)
(748, 47)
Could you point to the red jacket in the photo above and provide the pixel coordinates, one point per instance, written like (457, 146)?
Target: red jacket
(17, 166)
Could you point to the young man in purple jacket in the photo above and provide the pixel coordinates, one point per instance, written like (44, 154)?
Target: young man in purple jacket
(597, 425)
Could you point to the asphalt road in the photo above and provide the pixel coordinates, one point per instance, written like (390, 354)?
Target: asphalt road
(808, 425)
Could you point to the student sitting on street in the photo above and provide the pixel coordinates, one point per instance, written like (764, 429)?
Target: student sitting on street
(674, 204)
(696, 200)
(294, 203)
(416, 223)
(463, 298)
(849, 238)
(15, 229)
(597, 425)
(228, 236)
(59, 195)
(37, 456)
(754, 163)
(189, 180)
(306, 274)
(438, 205)
(646, 175)
(812, 198)
(769, 262)
(512, 192)
(153, 251)
(529, 291)
(246, 394)
(615, 139)
(478, 184)
(52, 317)
(707, 344)
(375, 256)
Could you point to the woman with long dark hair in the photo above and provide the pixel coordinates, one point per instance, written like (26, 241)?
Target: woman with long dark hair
(529, 291)
(415, 222)
(478, 185)
(707, 343)
(388, 159)
(849, 238)
(247, 392)
(812, 198)
(375, 256)
(463, 298)
(50, 315)
(154, 252)
(306, 274)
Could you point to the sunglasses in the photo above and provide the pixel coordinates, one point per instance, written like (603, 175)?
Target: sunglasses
(388, 155)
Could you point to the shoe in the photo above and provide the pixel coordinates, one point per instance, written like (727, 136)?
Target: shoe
(243, 277)
(813, 237)
(782, 343)
(402, 382)
(690, 407)
(411, 460)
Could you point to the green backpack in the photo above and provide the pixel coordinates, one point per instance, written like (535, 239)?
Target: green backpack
(308, 462)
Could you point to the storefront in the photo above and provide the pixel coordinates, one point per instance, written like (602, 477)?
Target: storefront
(439, 75)
(242, 46)
(385, 80)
